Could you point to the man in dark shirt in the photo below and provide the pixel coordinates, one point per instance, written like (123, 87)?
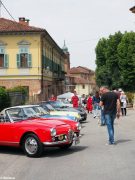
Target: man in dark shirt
(111, 104)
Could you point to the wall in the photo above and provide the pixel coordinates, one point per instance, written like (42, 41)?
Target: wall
(81, 91)
(12, 49)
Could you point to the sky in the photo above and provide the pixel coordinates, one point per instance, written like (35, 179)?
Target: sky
(81, 23)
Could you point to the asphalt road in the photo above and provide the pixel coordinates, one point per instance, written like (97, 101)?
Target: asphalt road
(89, 160)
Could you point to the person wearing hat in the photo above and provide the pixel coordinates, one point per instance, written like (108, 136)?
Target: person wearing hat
(110, 102)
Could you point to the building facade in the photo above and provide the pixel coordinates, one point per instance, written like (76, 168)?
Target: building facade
(84, 80)
(29, 57)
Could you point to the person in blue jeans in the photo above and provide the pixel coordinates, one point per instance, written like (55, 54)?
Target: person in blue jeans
(110, 102)
(96, 107)
(102, 117)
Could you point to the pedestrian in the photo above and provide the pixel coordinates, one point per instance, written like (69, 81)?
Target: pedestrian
(110, 102)
(117, 92)
(75, 100)
(52, 98)
(123, 102)
(89, 104)
(102, 117)
(83, 100)
(96, 107)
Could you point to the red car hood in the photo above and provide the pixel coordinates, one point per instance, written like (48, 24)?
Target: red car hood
(69, 122)
(48, 123)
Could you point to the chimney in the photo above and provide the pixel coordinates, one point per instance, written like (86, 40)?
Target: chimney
(24, 21)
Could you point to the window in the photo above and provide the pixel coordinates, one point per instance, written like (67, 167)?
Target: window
(3, 58)
(24, 59)
(83, 86)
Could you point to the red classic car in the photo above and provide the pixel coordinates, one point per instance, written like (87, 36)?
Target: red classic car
(34, 133)
(39, 111)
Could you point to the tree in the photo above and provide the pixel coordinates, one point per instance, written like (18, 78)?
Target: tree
(126, 55)
(115, 60)
(101, 70)
(4, 99)
(112, 62)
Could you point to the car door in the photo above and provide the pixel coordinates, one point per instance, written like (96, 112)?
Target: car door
(7, 130)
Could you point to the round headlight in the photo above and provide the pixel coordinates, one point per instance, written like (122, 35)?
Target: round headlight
(78, 125)
(79, 116)
(53, 132)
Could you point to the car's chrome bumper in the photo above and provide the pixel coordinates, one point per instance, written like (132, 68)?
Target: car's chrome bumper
(55, 143)
(75, 139)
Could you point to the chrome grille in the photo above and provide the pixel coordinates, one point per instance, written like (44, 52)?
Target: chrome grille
(70, 135)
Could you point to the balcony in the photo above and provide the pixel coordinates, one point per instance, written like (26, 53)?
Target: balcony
(59, 76)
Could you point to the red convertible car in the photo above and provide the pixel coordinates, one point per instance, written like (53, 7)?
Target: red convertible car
(32, 134)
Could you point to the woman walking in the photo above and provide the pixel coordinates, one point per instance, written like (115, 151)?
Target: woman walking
(123, 102)
(89, 104)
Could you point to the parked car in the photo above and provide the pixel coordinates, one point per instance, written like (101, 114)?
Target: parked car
(67, 103)
(32, 134)
(46, 114)
(81, 111)
(59, 105)
(76, 126)
(36, 111)
(48, 107)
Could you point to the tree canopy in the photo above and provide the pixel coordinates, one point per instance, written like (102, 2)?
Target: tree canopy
(115, 60)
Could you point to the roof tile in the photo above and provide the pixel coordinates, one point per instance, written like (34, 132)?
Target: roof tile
(7, 25)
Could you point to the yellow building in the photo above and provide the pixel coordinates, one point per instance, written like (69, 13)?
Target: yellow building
(29, 57)
(83, 79)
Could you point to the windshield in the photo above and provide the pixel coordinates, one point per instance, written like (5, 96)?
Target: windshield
(49, 107)
(66, 102)
(18, 114)
(57, 104)
(39, 110)
(30, 112)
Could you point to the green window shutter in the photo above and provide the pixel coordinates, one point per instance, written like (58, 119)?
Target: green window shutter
(42, 61)
(6, 61)
(29, 60)
(50, 64)
(57, 67)
(53, 66)
(18, 60)
(46, 62)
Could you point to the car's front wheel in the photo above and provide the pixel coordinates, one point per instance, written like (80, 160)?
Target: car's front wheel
(32, 145)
